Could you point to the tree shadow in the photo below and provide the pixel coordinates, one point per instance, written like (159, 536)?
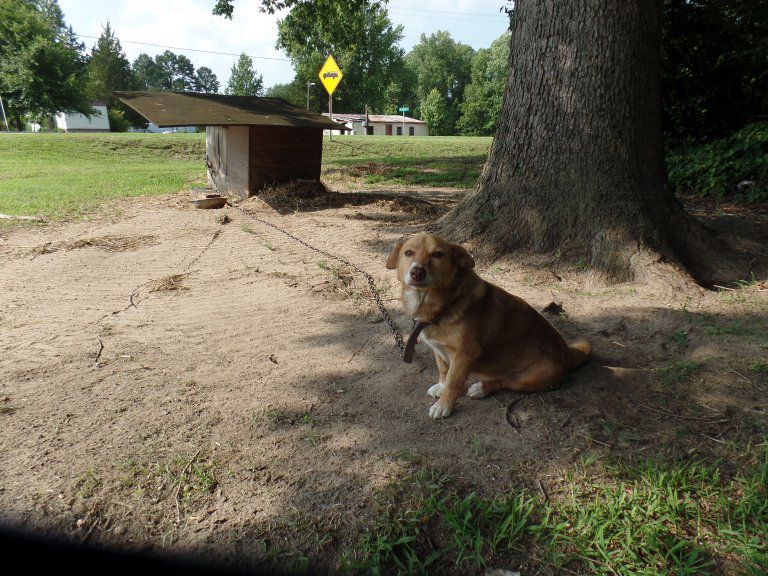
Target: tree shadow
(647, 399)
(393, 206)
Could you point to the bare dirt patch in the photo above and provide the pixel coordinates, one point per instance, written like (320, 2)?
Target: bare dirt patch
(107, 243)
(256, 414)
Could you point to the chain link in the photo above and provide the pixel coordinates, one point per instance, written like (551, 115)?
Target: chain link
(371, 283)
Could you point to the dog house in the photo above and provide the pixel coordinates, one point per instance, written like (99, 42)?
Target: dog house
(250, 142)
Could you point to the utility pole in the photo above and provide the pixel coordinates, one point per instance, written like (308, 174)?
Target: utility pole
(308, 85)
(5, 118)
(403, 109)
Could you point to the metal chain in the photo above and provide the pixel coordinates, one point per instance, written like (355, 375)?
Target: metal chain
(371, 283)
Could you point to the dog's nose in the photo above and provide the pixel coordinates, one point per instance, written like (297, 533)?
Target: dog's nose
(418, 273)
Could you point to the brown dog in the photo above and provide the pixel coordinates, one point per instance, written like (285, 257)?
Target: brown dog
(476, 328)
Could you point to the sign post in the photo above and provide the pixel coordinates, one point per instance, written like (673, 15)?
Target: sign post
(403, 109)
(330, 75)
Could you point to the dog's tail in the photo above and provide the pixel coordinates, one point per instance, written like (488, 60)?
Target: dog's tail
(580, 350)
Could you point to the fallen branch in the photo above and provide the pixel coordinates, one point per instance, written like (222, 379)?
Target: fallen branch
(668, 413)
(23, 218)
(181, 481)
(98, 354)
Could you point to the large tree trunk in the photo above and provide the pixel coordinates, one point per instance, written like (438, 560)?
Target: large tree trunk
(577, 163)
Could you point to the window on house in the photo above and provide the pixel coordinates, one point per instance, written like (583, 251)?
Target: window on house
(410, 131)
(399, 130)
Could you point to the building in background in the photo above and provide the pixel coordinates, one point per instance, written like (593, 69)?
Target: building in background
(75, 122)
(381, 125)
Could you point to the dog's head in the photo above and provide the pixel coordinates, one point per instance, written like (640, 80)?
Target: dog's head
(425, 261)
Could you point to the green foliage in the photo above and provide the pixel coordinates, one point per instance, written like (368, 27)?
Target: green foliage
(483, 98)
(117, 120)
(171, 72)
(108, 70)
(735, 166)
(435, 112)
(714, 73)
(243, 80)
(206, 81)
(363, 43)
(41, 66)
(442, 64)
(291, 92)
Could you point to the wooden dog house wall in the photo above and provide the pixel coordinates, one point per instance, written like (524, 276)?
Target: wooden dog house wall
(250, 142)
(244, 159)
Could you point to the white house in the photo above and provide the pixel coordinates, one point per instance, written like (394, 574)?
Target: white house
(151, 127)
(382, 125)
(74, 122)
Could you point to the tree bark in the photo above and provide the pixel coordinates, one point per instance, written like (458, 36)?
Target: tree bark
(577, 163)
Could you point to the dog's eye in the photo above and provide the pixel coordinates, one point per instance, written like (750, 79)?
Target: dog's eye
(409, 253)
(437, 254)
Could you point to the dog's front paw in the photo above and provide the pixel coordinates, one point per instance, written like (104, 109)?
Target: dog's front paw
(476, 391)
(440, 410)
(435, 390)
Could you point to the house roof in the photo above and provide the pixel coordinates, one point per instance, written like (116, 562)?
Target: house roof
(195, 109)
(380, 118)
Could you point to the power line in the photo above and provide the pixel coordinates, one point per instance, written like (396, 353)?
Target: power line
(469, 18)
(443, 11)
(189, 49)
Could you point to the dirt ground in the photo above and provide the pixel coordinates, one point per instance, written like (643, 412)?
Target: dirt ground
(171, 383)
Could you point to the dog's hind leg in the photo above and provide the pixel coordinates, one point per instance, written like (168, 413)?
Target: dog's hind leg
(482, 388)
(542, 376)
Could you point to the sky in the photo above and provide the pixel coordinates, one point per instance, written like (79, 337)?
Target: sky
(188, 27)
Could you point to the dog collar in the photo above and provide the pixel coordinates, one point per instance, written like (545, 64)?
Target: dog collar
(410, 346)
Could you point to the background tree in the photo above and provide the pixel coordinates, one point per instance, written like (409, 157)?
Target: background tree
(166, 72)
(444, 65)
(291, 92)
(243, 80)
(481, 108)
(206, 81)
(436, 114)
(41, 67)
(577, 163)
(715, 66)
(108, 70)
(177, 72)
(147, 73)
(363, 42)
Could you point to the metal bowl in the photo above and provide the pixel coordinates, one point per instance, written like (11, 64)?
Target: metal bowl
(210, 201)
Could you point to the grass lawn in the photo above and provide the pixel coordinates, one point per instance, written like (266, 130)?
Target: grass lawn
(636, 520)
(67, 175)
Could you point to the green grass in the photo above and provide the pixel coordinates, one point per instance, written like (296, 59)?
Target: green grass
(452, 161)
(642, 519)
(67, 175)
(678, 372)
(61, 176)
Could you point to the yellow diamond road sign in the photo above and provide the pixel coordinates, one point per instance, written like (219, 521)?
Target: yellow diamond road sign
(330, 74)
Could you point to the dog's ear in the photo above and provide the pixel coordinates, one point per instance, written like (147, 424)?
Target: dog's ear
(461, 257)
(394, 255)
